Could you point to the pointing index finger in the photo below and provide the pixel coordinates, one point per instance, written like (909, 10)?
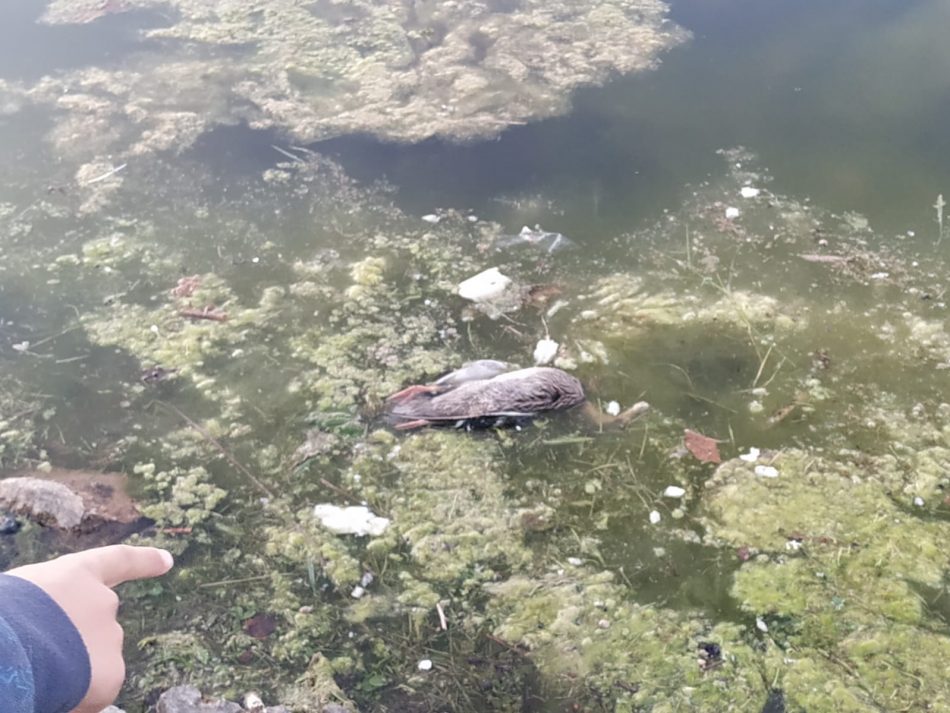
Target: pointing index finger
(116, 564)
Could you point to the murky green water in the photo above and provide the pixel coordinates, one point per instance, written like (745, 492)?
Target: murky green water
(810, 326)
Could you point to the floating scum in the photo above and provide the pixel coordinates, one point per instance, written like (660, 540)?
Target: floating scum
(407, 73)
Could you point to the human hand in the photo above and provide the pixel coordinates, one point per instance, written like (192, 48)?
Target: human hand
(81, 584)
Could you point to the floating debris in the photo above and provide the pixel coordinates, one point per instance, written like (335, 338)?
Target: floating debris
(485, 286)
(260, 626)
(674, 491)
(703, 448)
(732, 212)
(752, 456)
(210, 312)
(350, 520)
(612, 408)
(157, 374)
(253, 703)
(545, 351)
(749, 192)
(536, 237)
(432, 218)
(766, 471)
(655, 517)
(424, 665)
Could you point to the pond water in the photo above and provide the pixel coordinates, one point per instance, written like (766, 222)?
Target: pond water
(756, 250)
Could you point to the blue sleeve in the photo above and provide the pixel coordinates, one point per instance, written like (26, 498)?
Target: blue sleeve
(44, 666)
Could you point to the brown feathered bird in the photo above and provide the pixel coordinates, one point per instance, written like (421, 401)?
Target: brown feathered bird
(485, 393)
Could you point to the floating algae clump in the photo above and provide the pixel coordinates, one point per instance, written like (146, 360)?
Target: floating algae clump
(308, 541)
(451, 509)
(404, 72)
(620, 307)
(840, 578)
(581, 626)
(316, 691)
(186, 497)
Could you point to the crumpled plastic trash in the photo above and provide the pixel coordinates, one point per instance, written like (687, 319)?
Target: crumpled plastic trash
(545, 351)
(484, 286)
(537, 237)
(351, 520)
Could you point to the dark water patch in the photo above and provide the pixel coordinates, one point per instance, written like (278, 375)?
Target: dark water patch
(104, 42)
(779, 79)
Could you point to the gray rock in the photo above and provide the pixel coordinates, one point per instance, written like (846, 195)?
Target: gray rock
(43, 500)
(187, 699)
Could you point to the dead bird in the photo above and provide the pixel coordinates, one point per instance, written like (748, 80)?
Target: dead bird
(488, 393)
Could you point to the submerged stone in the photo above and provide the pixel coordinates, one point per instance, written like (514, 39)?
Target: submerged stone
(67, 498)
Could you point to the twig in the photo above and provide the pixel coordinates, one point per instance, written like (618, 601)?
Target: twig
(70, 360)
(340, 491)
(758, 374)
(211, 313)
(689, 252)
(289, 155)
(224, 582)
(443, 624)
(939, 206)
(55, 336)
(211, 439)
(104, 176)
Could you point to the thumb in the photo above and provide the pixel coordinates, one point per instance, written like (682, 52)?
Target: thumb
(121, 563)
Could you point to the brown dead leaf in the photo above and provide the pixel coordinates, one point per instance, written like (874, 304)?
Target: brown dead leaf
(260, 626)
(704, 448)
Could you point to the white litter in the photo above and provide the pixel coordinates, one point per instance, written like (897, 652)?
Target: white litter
(761, 625)
(357, 592)
(749, 192)
(425, 665)
(21, 347)
(752, 456)
(613, 409)
(674, 491)
(545, 351)
(576, 561)
(919, 501)
(732, 212)
(484, 286)
(655, 517)
(766, 471)
(351, 520)
(432, 218)
(252, 703)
